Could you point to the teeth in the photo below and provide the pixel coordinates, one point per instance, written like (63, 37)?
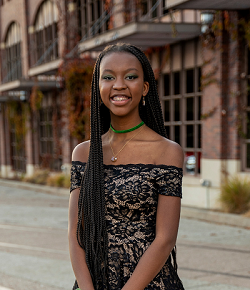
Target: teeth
(119, 98)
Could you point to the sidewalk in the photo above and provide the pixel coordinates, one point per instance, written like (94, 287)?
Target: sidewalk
(186, 212)
(34, 187)
(215, 217)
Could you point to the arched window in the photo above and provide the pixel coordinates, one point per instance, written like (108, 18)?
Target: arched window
(46, 36)
(12, 58)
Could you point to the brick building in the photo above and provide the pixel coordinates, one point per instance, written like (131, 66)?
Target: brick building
(202, 79)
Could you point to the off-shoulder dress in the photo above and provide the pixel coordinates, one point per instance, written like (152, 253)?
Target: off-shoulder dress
(131, 194)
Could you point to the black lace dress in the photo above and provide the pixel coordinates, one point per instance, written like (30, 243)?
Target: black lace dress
(131, 193)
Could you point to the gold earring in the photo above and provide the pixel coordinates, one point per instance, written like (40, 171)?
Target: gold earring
(143, 101)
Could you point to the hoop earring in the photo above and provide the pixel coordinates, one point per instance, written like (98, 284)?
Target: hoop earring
(143, 101)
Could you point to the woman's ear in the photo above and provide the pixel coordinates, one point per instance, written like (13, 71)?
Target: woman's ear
(145, 88)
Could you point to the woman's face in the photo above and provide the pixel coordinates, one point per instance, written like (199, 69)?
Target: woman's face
(122, 83)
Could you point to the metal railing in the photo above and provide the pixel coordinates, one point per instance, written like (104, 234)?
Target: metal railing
(49, 53)
(105, 17)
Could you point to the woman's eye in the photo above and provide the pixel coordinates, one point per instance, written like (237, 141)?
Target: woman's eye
(108, 78)
(131, 77)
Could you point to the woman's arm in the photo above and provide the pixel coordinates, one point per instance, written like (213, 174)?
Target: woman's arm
(154, 258)
(77, 254)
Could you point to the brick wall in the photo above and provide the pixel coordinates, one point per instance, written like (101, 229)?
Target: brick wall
(220, 97)
(232, 92)
(211, 104)
(23, 12)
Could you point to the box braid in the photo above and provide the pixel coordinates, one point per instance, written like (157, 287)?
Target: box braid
(91, 228)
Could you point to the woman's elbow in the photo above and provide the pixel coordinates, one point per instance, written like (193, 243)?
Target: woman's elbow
(166, 244)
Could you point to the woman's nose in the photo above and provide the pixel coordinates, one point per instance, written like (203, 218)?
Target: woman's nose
(119, 84)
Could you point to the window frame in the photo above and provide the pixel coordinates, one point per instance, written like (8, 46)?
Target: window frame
(12, 60)
(43, 41)
(89, 11)
(245, 142)
(183, 96)
(47, 153)
(17, 148)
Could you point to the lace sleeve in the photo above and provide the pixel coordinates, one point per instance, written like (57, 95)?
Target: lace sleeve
(77, 170)
(169, 181)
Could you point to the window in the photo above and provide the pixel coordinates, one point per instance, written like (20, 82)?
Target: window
(17, 138)
(17, 151)
(46, 34)
(92, 19)
(150, 6)
(50, 157)
(182, 103)
(131, 11)
(12, 57)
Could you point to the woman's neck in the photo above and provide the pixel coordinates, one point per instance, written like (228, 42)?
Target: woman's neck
(119, 124)
(124, 130)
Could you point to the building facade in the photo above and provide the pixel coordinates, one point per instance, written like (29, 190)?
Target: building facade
(203, 81)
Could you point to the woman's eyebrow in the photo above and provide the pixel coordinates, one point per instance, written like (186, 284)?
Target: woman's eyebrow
(107, 70)
(111, 71)
(129, 69)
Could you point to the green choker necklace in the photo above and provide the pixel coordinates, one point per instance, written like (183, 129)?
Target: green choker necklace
(128, 130)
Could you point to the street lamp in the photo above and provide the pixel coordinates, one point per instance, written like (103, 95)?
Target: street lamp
(207, 18)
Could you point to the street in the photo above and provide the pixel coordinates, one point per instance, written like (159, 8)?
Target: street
(34, 247)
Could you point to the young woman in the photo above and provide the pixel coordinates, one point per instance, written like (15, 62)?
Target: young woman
(126, 182)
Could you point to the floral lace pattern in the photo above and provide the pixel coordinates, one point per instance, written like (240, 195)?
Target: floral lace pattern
(131, 194)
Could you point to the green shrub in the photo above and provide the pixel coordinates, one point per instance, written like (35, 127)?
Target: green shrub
(66, 182)
(59, 180)
(45, 178)
(39, 177)
(235, 195)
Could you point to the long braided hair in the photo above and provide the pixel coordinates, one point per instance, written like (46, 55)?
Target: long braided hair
(91, 229)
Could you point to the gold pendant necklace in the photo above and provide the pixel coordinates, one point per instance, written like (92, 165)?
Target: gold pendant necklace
(114, 158)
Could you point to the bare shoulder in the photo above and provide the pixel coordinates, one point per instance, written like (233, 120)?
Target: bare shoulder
(81, 152)
(170, 153)
(162, 150)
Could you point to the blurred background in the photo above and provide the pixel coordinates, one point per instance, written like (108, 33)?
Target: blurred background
(199, 51)
(200, 54)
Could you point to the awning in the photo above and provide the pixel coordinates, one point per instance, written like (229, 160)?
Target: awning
(27, 85)
(143, 35)
(209, 5)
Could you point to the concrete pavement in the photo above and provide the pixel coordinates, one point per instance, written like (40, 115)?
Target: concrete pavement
(33, 240)
(213, 256)
(34, 249)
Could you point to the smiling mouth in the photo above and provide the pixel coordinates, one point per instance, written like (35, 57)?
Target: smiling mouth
(120, 98)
